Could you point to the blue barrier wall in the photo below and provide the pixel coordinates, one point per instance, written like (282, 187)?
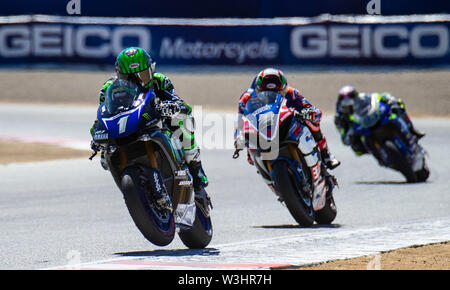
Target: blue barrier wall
(222, 8)
(329, 40)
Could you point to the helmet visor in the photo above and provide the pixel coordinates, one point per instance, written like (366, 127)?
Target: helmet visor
(271, 83)
(144, 77)
(347, 105)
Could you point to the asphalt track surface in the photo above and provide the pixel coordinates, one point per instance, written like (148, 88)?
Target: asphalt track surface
(68, 214)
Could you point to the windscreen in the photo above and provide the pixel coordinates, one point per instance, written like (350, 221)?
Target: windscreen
(120, 96)
(260, 100)
(363, 104)
(366, 111)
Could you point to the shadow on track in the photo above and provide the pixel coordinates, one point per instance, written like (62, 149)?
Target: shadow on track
(332, 226)
(172, 253)
(381, 182)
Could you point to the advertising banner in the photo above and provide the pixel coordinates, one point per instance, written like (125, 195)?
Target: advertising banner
(327, 40)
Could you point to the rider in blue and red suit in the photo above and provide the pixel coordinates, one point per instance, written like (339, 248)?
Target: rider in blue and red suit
(274, 80)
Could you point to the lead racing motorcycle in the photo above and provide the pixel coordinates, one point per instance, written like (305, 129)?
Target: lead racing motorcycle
(287, 157)
(387, 137)
(146, 162)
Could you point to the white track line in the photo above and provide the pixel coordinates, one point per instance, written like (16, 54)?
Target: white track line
(312, 246)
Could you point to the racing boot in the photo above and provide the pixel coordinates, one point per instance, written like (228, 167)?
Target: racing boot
(410, 125)
(415, 132)
(192, 158)
(200, 182)
(199, 179)
(329, 159)
(198, 175)
(203, 198)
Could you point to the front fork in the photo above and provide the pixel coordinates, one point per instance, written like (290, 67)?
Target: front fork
(151, 155)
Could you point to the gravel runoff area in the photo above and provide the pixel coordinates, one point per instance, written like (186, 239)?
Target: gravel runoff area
(425, 92)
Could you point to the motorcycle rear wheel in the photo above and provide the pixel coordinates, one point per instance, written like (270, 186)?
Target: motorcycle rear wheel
(327, 214)
(200, 235)
(424, 173)
(400, 162)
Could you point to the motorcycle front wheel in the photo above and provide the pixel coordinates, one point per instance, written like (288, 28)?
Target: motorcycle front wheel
(287, 185)
(157, 227)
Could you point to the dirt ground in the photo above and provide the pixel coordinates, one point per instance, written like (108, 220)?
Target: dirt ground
(425, 92)
(13, 151)
(428, 257)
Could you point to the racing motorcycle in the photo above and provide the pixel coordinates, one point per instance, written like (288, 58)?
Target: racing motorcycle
(288, 159)
(147, 163)
(387, 137)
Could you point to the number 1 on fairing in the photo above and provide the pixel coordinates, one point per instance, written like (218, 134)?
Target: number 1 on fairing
(123, 124)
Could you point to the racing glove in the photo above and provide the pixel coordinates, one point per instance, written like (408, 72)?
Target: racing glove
(168, 108)
(306, 114)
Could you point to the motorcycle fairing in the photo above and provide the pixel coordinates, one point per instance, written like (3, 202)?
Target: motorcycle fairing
(127, 122)
(265, 120)
(379, 114)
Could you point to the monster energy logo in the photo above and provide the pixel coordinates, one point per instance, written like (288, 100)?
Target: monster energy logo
(146, 116)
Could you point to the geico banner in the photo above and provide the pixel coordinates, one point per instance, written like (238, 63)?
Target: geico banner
(405, 43)
(98, 44)
(68, 43)
(325, 42)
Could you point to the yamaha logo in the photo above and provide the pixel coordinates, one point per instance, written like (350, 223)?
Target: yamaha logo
(134, 65)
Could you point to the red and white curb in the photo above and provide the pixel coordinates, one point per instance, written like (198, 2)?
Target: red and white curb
(144, 264)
